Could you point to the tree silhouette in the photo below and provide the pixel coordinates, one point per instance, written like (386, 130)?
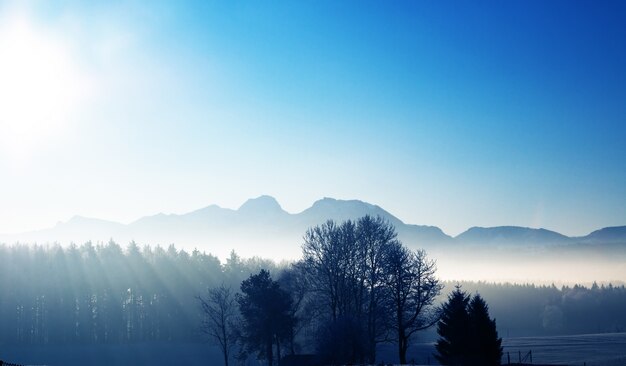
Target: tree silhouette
(412, 288)
(341, 342)
(364, 279)
(374, 238)
(468, 334)
(345, 265)
(294, 281)
(485, 344)
(267, 317)
(220, 309)
(454, 330)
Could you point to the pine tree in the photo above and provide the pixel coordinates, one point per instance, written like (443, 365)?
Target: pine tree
(454, 330)
(468, 336)
(486, 346)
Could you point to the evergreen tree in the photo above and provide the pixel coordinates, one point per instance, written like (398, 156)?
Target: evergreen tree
(468, 336)
(454, 330)
(266, 312)
(486, 346)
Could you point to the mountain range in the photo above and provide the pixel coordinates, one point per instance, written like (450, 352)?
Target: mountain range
(260, 227)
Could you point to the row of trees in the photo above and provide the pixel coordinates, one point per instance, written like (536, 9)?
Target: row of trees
(355, 287)
(105, 294)
(532, 310)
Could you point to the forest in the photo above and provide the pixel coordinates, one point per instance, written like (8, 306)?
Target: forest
(108, 294)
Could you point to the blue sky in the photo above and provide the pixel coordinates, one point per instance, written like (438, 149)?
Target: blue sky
(453, 114)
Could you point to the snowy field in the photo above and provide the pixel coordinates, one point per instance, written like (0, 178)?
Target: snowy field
(590, 349)
(596, 349)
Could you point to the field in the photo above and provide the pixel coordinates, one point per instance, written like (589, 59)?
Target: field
(590, 349)
(593, 349)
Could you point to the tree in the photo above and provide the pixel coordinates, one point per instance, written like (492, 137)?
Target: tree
(454, 330)
(329, 252)
(354, 269)
(345, 268)
(341, 342)
(486, 346)
(468, 334)
(375, 237)
(294, 281)
(220, 310)
(267, 317)
(413, 287)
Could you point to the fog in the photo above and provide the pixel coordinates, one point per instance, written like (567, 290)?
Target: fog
(261, 228)
(109, 296)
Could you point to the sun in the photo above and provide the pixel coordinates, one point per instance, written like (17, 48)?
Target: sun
(40, 85)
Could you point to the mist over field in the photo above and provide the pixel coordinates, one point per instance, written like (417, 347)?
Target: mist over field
(138, 302)
(261, 228)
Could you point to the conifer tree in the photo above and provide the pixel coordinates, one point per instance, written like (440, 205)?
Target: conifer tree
(486, 346)
(454, 330)
(266, 314)
(468, 336)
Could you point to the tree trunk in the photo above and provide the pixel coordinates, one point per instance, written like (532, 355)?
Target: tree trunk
(402, 341)
(225, 344)
(292, 347)
(270, 353)
(225, 358)
(403, 345)
(372, 329)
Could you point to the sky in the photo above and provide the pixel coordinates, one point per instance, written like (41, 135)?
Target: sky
(453, 114)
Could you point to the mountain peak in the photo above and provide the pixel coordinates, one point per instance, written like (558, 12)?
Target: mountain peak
(510, 234)
(330, 208)
(80, 220)
(328, 201)
(608, 234)
(261, 204)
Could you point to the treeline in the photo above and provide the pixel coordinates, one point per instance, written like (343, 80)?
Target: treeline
(355, 287)
(106, 294)
(527, 309)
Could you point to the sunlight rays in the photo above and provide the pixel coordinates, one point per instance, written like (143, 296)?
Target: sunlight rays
(41, 85)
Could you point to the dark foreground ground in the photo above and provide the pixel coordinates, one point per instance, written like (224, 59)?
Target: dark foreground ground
(594, 349)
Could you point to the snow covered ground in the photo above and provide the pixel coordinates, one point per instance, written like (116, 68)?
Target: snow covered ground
(592, 349)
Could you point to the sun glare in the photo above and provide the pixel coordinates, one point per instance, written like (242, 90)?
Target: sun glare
(40, 86)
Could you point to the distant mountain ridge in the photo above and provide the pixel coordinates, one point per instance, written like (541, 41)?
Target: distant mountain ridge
(607, 235)
(511, 235)
(261, 226)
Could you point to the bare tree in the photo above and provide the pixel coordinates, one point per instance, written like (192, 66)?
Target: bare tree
(220, 311)
(333, 264)
(345, 268)
(295, 282)
(413, 287)
(375, 236)
(326, 257)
